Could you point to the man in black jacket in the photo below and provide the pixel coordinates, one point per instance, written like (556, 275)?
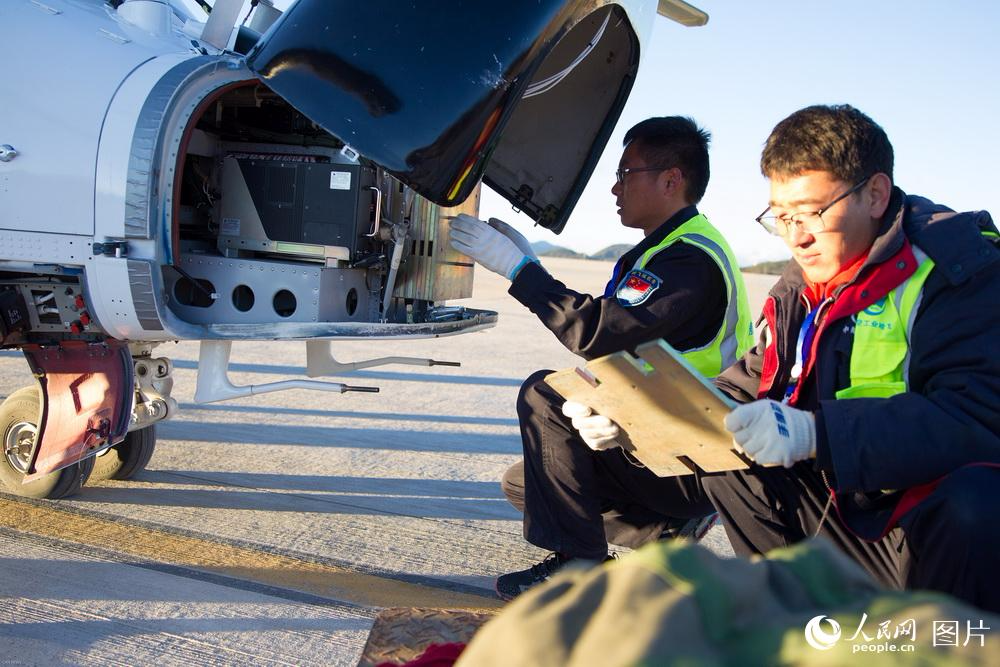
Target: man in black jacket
(681, 283)
(874, 394)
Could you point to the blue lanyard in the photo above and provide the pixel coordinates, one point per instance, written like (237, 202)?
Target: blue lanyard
(802, 349)
(613, 283)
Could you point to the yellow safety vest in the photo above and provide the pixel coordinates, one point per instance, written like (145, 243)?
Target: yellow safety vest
(735, 335)
(880, 353)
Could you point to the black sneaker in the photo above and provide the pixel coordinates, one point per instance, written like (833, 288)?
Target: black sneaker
(509, 586)
(692, 529)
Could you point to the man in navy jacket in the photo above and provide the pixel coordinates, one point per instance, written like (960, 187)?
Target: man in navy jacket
(873, 396)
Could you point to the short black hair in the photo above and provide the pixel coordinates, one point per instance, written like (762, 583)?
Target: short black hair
(837, 139)
(675, 141)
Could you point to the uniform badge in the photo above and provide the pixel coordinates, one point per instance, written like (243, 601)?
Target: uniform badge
(636, 287)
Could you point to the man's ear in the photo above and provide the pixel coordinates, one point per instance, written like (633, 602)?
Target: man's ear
(672, 181)
(879, 192)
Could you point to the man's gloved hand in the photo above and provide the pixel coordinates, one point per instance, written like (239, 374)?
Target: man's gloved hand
(522, 243)
(771, 432)
(491, 248)
(598, 432)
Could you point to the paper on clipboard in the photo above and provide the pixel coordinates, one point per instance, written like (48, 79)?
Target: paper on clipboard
(664, 407)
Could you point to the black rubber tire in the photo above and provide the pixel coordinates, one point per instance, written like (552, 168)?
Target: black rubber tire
(22, 407)
(127, 458)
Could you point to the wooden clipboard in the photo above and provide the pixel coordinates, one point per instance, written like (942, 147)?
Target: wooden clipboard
(670, 416)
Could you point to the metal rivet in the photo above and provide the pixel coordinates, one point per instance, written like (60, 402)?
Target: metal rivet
(956, 268)
(901, 265)
(864, 294)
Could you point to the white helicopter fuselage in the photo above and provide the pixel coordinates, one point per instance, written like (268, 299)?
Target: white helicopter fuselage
(169, 175)
(99, 149)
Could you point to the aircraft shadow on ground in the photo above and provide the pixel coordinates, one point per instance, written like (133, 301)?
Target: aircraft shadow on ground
(400, 440)
(349, 414)
(416, 499)
(76, 635)
(90, 582)
(394, 486)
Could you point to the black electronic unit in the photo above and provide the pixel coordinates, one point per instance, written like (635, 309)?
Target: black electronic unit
(277, 203)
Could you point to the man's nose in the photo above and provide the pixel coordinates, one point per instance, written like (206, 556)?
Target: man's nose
(616, 188)
(798, 236)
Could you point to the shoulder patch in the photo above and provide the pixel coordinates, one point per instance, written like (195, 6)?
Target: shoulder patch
(636, 287)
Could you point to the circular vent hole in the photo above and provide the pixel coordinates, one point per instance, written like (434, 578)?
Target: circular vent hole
(352, 301)
(284, 303)
(243, 298)
(189, 294)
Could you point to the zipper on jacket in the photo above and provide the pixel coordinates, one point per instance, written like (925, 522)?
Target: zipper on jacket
(829, 502)
(782, 373)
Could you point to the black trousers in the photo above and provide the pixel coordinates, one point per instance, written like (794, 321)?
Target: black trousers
(576, 500)
(950, 542)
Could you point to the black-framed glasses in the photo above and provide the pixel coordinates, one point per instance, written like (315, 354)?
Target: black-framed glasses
(622, 172)
(810, 222)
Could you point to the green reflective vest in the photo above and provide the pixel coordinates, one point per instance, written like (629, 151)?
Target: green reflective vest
(735, 335)
(880, 353)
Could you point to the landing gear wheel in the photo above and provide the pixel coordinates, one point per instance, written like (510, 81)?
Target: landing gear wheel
(127, 458)
(18, 427)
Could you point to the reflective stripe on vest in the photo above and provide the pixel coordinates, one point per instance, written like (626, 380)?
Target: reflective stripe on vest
(735, 335)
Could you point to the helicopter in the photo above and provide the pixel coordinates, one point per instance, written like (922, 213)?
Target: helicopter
(168, 172)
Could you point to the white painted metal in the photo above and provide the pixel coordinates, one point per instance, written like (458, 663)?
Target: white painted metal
(320, 361)
(682, 12)
(116, 143)
(187, 9)
(110, 298)
(214, 384)
(32, 248)
(57, 132)
(264, 16)
(153, 16)
(221, 22)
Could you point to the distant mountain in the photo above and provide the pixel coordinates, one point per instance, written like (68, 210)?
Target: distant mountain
(541, 247)
(546, 249)
(612, 253)
(775, 268)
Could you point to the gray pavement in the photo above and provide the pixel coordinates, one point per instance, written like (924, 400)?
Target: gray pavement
(399, 486)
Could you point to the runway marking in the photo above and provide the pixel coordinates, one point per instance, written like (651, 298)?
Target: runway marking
(280, 571)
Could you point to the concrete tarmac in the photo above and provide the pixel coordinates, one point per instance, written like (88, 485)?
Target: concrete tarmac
(270, 529)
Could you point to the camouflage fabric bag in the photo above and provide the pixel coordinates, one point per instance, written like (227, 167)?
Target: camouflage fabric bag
(677, 603)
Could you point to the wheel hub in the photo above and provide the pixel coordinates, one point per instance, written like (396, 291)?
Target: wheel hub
(18, 443)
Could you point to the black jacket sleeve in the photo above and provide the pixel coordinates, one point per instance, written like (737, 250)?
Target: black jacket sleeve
(686, 309)
(742, 380)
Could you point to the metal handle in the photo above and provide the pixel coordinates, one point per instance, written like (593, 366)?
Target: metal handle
(378, 210)
(7, 153)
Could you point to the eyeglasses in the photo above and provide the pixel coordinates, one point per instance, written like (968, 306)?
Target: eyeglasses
(809, 222)
(622, 172)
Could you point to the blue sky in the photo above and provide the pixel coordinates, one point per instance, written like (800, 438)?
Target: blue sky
(928, 72)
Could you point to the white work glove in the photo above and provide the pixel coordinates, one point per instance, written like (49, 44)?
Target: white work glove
(522, 243)
(491, 248)
(771, 433)
(598, 432)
